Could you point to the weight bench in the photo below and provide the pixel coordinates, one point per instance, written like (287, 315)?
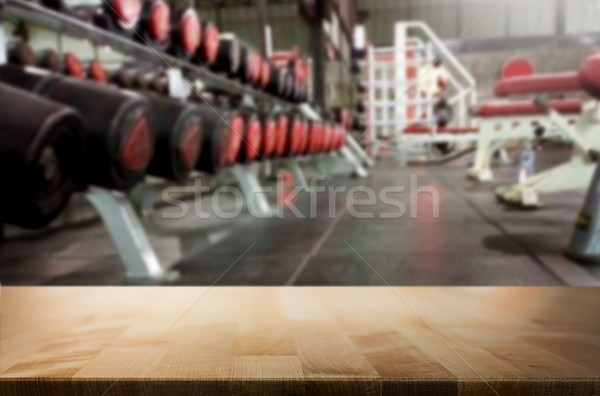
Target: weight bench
(503, 120)
(577, 121)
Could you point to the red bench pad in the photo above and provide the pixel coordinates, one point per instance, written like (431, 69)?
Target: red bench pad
(589, 76)
(526, 107)
(516, 66)
(425, 129)
(540, 83)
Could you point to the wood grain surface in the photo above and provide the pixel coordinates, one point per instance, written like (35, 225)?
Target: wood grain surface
(370, 340)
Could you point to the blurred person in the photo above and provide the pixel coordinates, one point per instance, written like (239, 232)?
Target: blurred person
(432, 83)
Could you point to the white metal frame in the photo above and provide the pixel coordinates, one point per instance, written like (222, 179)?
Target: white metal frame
(574, 174)
(495, 131)
(389, 117)
(128, 235)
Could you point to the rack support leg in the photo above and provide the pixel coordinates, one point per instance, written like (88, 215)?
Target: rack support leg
(254, 194)
(128, 235)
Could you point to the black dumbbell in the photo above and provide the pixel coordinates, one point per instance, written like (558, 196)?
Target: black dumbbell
(179, 136)
(41, 147)
(185, 33)
(223, 133)
(119, 141)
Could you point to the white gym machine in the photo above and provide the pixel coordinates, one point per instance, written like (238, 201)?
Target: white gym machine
(575, 174)
(501, 126)
(391, 75)
(570, 119)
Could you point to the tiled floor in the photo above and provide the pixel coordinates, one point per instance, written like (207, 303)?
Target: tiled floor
(474, 241)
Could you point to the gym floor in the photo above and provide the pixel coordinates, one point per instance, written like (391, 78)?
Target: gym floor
(473, 241)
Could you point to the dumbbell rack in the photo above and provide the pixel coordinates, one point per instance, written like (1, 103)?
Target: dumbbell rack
(122, 221)
(64, 24)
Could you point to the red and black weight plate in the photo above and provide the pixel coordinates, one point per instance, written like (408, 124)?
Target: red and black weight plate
(234, 129)
(255, 67)
(222, 138)
(228, 57)
(335, 137)
(154, 27)
(328, 137)
(269, 138)
(321, 138)
(186, 33)
(265, 74)
(283, 123)
(275, 84)
(252, 138)
(179, 137)
(41, 147)
(48, 59)
(294, 140)
(250, 65)
(118, 139)
(120, 16)
(315, 133)
(303, 145)
(208, 51)
(243, 72)
(97, 73)
(73, 66)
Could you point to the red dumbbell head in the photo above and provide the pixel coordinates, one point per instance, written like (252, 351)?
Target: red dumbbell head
(137, 149)
(269, 136)
(305, 137)
(254, 67)
(282, 128)
(187, 31)
(210, 42)
(191, 143)
(234, 132)
(253, 139)
(159, 21)
(73, 66)
(314, 136)
(97, 72)
(295, 133)
(126, 12)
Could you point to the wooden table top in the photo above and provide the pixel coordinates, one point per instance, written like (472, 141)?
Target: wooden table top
(368, 340)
